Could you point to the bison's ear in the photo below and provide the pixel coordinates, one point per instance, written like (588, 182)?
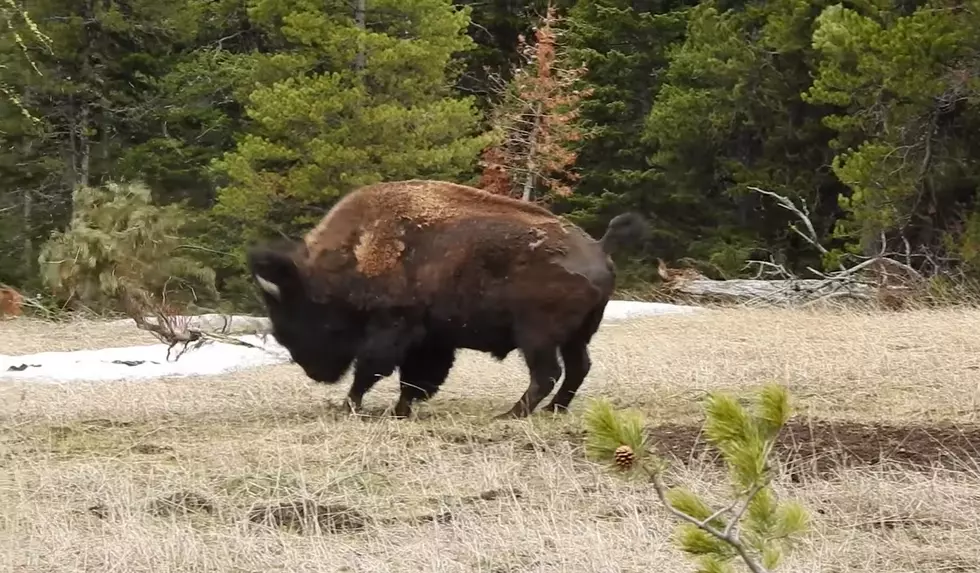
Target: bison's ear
(274, 269)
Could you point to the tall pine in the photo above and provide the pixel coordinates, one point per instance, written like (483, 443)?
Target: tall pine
(92, 100)
(732, 116)
(904, 82)
(352, 97)
(624, 45)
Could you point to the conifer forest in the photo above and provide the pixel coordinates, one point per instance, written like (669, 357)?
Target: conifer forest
(207, 125)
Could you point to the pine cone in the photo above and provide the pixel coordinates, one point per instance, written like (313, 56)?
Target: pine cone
(625, 457)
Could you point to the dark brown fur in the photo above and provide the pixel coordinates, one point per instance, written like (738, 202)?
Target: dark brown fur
(401, 274)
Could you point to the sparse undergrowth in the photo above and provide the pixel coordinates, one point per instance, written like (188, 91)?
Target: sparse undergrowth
(260, 470)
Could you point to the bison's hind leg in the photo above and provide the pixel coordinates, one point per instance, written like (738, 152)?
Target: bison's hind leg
(575, 355)
(423, 370)
(545, 371)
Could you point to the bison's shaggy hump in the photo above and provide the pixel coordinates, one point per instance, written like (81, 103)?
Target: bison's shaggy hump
(393, 207)
(415, 237)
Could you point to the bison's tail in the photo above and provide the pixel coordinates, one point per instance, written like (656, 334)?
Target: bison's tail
(623, 229)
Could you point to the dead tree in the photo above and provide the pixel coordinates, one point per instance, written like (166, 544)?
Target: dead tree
(535, 121)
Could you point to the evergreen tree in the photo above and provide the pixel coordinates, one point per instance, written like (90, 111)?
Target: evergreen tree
(496, 27)
(201, 97)
(17, 28)
(534, 122)
(732, 116)
(624, 47)
(905, 86)
(92, 101)
(362, 96)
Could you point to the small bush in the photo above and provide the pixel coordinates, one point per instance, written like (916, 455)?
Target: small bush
(121, 252)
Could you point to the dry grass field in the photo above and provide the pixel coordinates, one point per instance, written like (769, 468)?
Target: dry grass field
(212, 474)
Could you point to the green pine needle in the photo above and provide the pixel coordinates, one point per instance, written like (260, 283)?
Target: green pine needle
(710, 564)
(760, 517)
(772, 410)
(772, 555)
(791, 520)
(699, 542)
(688, 502)
(608, 429)
(727, 421)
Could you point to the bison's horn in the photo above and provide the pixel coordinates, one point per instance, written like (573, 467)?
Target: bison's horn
(268, 286)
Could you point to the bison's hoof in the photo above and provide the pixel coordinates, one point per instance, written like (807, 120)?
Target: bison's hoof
(556, 409)
(354, 406)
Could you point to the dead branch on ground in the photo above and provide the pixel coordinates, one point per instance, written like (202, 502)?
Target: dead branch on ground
(172, 327)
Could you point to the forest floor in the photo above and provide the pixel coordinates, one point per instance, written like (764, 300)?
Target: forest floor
(210, 473)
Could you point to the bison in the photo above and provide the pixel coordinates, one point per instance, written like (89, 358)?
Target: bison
(400, 275)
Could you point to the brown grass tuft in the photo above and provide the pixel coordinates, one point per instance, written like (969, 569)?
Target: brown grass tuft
(308, 516)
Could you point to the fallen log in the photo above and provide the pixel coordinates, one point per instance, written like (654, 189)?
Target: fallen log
(771, 291)
(219, 323)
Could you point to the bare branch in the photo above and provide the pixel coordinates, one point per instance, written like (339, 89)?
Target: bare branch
(726, 536)
(729, 530)
(777, 269)
(804, 216)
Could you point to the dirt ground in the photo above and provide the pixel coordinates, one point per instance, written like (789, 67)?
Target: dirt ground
(261, 470)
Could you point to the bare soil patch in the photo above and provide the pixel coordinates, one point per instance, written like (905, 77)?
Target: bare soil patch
(826, 446)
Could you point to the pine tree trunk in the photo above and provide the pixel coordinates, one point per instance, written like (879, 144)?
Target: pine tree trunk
(27, 208)
(361, 22)
(85, 145)
(530, 178)
(28, 227)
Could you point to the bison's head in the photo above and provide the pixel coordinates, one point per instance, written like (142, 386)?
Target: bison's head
(320, 334)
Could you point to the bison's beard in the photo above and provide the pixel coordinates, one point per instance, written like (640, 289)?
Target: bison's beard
(325, 366)
(323, 355)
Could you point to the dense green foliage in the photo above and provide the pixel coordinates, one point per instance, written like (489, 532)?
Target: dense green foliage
(259, 114)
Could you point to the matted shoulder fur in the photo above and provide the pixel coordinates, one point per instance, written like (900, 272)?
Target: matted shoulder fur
(423, 203)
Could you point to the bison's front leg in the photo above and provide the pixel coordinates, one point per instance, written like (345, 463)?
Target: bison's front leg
(545, 371)
(364, 379)
(379, 354)
(423, 370)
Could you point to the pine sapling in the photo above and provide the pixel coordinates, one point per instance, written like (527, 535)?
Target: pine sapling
(121, 251)
(754, 527)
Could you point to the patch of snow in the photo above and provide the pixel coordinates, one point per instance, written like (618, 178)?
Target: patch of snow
(150, 361)
(623, 309)
(146, 361)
